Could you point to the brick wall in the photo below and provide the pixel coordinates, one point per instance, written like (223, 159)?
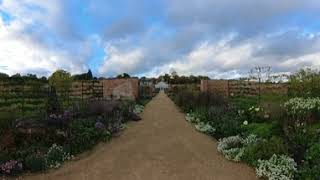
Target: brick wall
(121, 88)
(242, 88)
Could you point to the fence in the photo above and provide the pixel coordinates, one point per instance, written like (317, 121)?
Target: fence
(228, 88)
(20, 99)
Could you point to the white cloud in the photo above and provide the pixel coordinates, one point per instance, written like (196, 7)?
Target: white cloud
(21, 54)
(222, 59)
(29, 40)
(119, 61)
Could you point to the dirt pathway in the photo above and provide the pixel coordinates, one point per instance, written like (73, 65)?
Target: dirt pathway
(163, 146)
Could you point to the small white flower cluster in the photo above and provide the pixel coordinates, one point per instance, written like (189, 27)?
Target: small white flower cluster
(200, 126)
(205, 128)
(192, 118)
(277, 168)
(138, 109)
(302, 106)
(233, 147)
(56, 156)
(255, 109)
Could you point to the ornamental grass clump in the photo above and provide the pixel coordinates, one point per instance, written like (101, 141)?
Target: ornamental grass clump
(278, 167)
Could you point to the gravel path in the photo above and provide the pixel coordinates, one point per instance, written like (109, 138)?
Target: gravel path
(163, 146)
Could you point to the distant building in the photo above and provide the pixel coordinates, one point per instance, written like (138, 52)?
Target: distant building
(162, 86)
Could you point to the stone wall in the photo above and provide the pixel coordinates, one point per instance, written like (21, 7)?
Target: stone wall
(242, 88)
(121, 88)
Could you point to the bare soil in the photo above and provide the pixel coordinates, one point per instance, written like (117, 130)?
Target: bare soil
(163, 146)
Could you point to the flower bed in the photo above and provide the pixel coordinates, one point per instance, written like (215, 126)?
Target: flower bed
(285, 148)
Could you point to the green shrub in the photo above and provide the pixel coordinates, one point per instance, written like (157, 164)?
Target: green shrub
(300, 138)
(311, 167)
(56, 156)
(35, 163)
(264, 149)
(262, 130)
(228, 124)
(277, 167)
(84, 136)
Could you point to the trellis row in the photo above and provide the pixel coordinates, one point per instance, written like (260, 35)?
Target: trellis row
(110, 88)
(228, 88)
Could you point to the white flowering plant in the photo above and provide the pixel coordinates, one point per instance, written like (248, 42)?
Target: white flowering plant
(205, 128)
(278, 167)
(302, 108)
(138, 109)
(56, 156)
(192, 118)
(251, 114)
(200, 125)
(233, 147)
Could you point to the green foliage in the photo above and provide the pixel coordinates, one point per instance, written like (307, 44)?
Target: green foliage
(189, 99)
(56, 156)
(84, 76)
(277, 167)
(6, 120)
(245, 102)
(300, 138)
(311, 167)
(35, 162)
(225, 120)
(85, 136)
(123, 76)
(264, 149)
(305, 83)
(262, 130)
(302, 109)
(61, 80)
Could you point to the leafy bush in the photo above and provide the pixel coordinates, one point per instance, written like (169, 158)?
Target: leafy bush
(305, 83)
(201, 126)
(233, 147)
(192, 118)
(311, 166)
(138, 109)
(205, 128)
(299, 139)
(277, 167)
(228, 125)
(264, 149)
(35, 162)
(302, 109)
(56, 156)
(252, 114)
(84, 135)
(262, 130)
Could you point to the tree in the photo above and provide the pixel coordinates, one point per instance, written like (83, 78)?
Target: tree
(123, 76)
(261, 73)
(4, 76)
(61, 80)
(84, 76)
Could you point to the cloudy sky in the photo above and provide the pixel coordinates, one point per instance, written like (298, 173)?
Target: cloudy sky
(218, 38)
